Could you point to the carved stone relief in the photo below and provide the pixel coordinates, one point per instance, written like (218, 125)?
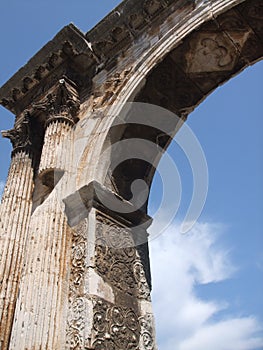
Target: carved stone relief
(117, 259)
(77, 317)
(115, 327)
(147, 341)
(211, 53)
(20, 136)
(218, 51)
(151, 7)
(256, 11)
(62, 102)
(130, 47)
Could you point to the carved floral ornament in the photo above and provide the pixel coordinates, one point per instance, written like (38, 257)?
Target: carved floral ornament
(62, 103)
(211, 54)
(114, 326)
(77, 315)
(20, 135)
(118, 263)
(117, 327)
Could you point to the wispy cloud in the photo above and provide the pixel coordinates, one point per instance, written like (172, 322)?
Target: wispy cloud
(185, 321)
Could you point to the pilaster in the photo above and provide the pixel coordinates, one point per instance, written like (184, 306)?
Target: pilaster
(109, 290)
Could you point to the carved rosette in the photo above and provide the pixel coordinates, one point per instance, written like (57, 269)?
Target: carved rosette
(117, 260)
(114, 327)
(61, 103)
(20, 136)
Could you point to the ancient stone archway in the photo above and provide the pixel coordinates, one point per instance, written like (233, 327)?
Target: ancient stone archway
(81, 267)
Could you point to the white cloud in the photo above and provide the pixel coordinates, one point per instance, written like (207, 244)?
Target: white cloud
(235, 333)
(184, 321)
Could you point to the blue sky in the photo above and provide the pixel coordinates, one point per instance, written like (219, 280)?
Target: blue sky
(217, 267)
(208, 283)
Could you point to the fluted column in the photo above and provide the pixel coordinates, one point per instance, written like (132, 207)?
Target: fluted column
(42, 302)
(15, 213)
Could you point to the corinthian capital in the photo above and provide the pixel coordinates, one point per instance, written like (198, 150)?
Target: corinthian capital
(20, 135)
(62, 102)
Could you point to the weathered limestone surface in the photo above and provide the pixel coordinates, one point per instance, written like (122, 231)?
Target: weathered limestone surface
(14, 221)
(43, 289)
(73, 239)
(15, 212)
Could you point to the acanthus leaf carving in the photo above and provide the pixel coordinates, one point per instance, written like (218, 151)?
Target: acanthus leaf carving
(20, 136)
(62, 103)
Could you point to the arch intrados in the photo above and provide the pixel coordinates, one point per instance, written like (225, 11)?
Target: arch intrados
(228, 39)
(235, 26)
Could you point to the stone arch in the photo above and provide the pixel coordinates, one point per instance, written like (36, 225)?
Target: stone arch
(198, 48)
(171, 53)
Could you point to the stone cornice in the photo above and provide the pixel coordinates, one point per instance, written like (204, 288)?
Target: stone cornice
(97, 48)
(81, 56)
(68, 43)
(126, 22)
(94, 195)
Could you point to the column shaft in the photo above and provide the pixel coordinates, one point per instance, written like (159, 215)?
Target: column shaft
(56, 149)
(15, 213)
(42, 302)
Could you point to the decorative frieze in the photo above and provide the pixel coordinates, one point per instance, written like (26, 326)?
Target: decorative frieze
(37, 75)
